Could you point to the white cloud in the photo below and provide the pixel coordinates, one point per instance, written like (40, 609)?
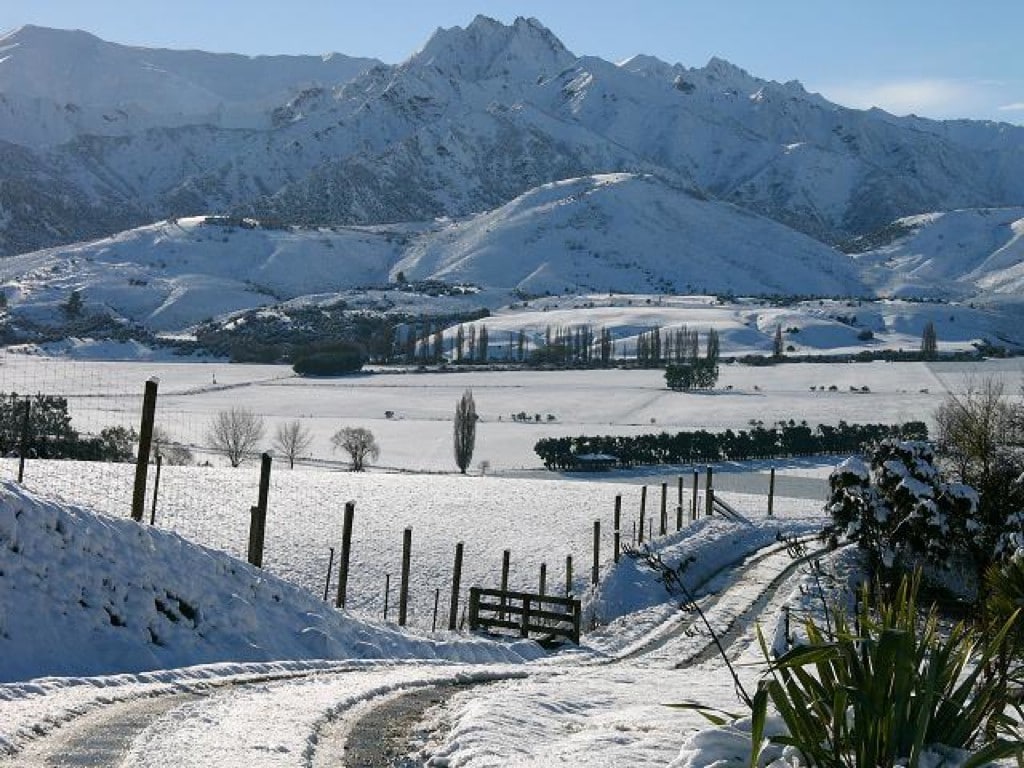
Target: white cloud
(902, 97)
(938, 98)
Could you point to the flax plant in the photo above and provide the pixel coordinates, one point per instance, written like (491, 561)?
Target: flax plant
(888, 687)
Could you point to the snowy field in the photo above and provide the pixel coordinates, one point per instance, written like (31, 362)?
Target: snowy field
(600, 705)
(417, 436)
(541, 517)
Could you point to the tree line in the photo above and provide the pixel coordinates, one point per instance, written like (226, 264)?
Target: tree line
(786, 438)
(578, 345)
(40, 426)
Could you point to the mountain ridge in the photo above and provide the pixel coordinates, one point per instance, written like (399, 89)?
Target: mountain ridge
(478, 118)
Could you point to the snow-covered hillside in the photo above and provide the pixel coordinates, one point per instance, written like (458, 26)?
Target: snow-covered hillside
(59, 85)
(964, 253)
(620, 232)
(110, 596)
(592, 251)
(171, 275)
(628, 233)
(477, 117)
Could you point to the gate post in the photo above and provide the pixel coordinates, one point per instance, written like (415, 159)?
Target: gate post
(453, 606)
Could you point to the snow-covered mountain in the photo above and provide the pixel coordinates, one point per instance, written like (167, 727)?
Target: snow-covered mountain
(615, 232)
(479, 116)
(633, 233)
(57, 85)
(976, 253)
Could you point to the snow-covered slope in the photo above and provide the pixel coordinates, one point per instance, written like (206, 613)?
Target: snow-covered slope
(83, 594)
(618, 232)
(976, 253)
(624, 232)
(59, 84)
(170, 275)
(477, 117)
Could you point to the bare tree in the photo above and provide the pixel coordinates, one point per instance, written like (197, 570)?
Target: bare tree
(236, 433)
(292, 439)
(979, 434)
(169, 449)
(358, 443)
(975, 428)
(465, 430)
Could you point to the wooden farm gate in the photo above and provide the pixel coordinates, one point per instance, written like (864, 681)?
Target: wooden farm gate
(550, 616)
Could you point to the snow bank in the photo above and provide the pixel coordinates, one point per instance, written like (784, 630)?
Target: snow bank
(82, 594)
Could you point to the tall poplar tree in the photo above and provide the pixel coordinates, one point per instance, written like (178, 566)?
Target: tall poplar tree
(464, 431)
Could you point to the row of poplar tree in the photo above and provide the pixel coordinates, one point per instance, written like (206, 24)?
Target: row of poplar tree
(581, 344)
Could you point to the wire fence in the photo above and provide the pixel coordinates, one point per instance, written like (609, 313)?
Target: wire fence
(195, 494)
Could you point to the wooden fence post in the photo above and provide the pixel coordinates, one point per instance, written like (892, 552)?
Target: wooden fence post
(771, 491)
(403, 591)
(258, 523)
(330, 567)
(543, 579)
(679, 506)
(597, 552)
(693, 505)
(663, 522)
(387, 593)
(156, 490)
(524, 629)
(505, 557)
(615, 535)
(145, 442)
(643, 511)
(346, 554)
(453, 606)
(568, 575)
(474, 607)
(437, 597)
(709, 493)
(23, 443)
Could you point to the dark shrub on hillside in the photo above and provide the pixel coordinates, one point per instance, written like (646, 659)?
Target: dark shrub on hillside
(339, 359)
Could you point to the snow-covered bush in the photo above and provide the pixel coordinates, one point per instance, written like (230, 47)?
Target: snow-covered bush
(899, 508)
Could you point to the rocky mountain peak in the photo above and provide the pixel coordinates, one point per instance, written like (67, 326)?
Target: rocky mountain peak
(727, 75)
(486, 48)
(649, 66)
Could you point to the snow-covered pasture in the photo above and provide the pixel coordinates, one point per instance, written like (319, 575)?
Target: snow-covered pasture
(538, 520)
(417, 436)
(539, 516)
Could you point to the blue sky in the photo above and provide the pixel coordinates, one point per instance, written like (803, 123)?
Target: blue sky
(943, 58)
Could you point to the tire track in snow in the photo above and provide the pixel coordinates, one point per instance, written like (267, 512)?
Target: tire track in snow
(380, 747)
(99, 739)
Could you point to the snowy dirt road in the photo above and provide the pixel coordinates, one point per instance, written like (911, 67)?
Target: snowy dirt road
(410, 714)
